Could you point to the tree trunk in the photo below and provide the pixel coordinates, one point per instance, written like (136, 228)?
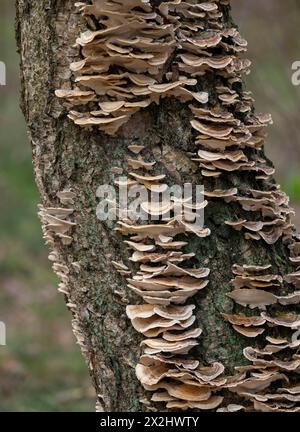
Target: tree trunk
(69, 158)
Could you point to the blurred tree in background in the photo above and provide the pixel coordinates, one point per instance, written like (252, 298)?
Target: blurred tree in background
(40, 368)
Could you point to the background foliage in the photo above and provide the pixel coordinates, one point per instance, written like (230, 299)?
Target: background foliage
(41, 368)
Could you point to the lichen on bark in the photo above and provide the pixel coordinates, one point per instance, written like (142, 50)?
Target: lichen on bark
(67, 157)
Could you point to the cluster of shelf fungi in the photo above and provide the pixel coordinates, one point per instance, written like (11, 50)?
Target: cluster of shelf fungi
(123, 70)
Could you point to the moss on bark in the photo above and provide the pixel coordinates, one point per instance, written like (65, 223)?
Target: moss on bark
(66, 156)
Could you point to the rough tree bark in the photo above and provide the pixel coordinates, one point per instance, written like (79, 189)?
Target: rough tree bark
(67, 157)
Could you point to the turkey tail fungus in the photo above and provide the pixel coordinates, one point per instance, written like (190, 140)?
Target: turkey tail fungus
(156, 92)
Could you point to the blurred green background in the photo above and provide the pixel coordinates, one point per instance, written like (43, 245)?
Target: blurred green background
(41, 368)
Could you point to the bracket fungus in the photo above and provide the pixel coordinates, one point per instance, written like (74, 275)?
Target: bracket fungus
(137, 54)
(56, 224)
(274, 212)
(279, 359)
(58, 229)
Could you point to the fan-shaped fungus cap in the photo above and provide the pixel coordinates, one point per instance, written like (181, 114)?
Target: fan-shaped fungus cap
(253, 297)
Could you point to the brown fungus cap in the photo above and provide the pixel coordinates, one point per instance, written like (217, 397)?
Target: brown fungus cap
(126, 65)
(244, 321)
(253, 298)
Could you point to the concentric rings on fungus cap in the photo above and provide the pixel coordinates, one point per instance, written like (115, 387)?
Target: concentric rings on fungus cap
(127, 64)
